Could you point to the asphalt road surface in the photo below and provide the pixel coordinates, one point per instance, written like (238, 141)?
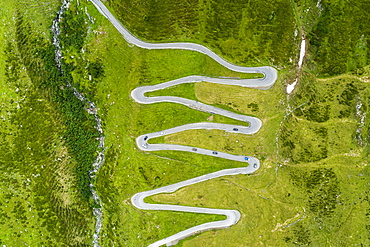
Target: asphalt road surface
(252, 126)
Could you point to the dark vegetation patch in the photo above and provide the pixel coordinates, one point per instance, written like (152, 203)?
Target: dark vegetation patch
(340, 42)
(303, 143)
(253, 106)
(321, 192)
(80, 70)
(318, 112)
(74, 27)
(300, 236)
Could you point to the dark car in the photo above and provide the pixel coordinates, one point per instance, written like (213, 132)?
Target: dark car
(235, 129)
(145, 138)
(194, 149)
(214, 152)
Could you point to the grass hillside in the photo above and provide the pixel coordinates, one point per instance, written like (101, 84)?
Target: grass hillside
(312, 187)
(47, 138)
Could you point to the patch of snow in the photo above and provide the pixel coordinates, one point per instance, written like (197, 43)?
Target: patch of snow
(302, 52)
(291, 87)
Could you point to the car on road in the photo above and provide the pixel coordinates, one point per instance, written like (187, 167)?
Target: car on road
(247, 158)
(214, 152)
(194, 149)
(145, 138)
(235, 129)
(255, 165)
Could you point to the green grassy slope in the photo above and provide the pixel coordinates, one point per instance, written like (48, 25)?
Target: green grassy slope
(313, 186)
(45, 198)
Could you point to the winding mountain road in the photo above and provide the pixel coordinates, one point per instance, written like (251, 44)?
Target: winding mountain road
(253, 125)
